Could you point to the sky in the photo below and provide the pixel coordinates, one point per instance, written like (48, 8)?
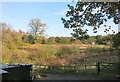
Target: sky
(18, 15)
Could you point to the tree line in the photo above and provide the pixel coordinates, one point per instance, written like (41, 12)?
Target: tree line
(11, 38)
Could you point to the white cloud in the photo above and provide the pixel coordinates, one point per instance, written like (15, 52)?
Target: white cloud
(64, 12)
(61, 13)
(107, 26)
(102, 28)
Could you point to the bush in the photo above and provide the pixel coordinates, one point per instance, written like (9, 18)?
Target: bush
(66, 51)
(51, 40)
(64, 40)
(6, 54)
(77, 42)
(116, 41)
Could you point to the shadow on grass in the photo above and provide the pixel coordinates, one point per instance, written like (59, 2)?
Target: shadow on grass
(88, 73)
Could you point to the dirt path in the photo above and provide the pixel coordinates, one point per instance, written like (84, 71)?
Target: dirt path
(68, 77)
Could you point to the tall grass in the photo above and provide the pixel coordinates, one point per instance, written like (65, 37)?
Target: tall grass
(52, 54)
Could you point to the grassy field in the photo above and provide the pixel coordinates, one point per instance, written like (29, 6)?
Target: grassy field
(57, 54)
(77, 55)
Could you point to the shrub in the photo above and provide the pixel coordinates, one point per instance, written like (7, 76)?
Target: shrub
(51, 40)
(66, 51)
(6, 54)
(64, 40)
(116, 41)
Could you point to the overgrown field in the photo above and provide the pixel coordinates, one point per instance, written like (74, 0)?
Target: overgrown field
(58, 54)
(62, 55)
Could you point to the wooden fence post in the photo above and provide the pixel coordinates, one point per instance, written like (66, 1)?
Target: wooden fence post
(85, 66)
(74, 68)
(98, 67)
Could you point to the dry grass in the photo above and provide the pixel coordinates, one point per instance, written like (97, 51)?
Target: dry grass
(49, 53)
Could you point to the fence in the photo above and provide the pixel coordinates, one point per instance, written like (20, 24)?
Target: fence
(111, 67)
(52, 67)
(42, 70)
(99, 66)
